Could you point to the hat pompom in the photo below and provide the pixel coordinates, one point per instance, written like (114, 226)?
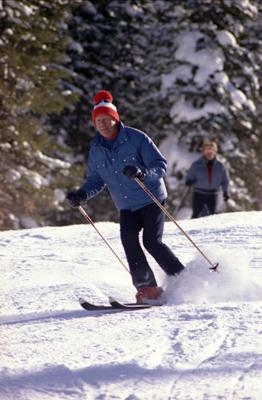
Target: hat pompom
(103, 95)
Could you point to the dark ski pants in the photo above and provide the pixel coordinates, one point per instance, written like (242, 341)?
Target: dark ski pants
(151, 219)
(204, 204)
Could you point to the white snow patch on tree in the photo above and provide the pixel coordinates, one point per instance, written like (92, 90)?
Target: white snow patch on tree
(226, 38)
(34, 178)
(207, 60)
(177, 157)
(238, 97)
(184, 111)
(176, 153)
(182, 73)
(76, 46)
(52, 162)
(13, 175)
(59, 195)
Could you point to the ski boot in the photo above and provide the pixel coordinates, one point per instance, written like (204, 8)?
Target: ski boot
(150, 295)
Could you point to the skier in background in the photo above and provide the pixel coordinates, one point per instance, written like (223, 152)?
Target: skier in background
(118, 154)
(206, 175)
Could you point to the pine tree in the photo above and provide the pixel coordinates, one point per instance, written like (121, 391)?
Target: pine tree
(33, 40)
(213, 86)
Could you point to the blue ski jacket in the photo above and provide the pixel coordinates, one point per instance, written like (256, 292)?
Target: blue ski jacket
(197, 176)
(106, 163)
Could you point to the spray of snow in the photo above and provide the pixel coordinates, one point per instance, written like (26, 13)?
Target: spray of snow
(233, 281)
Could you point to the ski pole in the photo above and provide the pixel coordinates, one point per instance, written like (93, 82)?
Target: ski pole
(87, 217)
(143, 186)
(183, 197)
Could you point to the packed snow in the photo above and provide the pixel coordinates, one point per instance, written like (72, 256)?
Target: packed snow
(205, 343)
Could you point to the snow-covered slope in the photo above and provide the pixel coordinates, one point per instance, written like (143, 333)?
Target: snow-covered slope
(206, 343)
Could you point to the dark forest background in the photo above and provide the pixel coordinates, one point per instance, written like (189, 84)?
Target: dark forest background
(55, 55)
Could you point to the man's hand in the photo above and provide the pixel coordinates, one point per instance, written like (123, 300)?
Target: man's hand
(226, 197)
(76, 197)
(190, 182)
(131, 171)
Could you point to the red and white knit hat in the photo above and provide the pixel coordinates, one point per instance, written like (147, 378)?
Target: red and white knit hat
(103, 105)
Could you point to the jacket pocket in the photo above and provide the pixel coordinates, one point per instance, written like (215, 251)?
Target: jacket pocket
(130, 159)
(100, 164)
(103, 169)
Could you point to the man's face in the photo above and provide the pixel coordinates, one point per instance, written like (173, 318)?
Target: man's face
(106, 125)
(209, 152)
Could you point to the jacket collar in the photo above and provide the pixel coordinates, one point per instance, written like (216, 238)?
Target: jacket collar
(120, 139)
(205, 161)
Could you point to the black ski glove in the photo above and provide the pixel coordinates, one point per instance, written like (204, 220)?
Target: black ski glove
(226, 197)
(190, 182)
(131, 171)
(76, 197)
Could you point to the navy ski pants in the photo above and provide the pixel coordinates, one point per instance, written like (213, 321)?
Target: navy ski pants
(204, 204)
(150, 219)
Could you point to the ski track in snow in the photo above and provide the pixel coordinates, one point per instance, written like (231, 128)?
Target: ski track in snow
(205, 344)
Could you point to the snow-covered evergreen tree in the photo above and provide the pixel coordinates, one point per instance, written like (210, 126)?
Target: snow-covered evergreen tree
(212, 87)
(32, 50)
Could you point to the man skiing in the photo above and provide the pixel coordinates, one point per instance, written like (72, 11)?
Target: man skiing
(118, 154)
(207, 175)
